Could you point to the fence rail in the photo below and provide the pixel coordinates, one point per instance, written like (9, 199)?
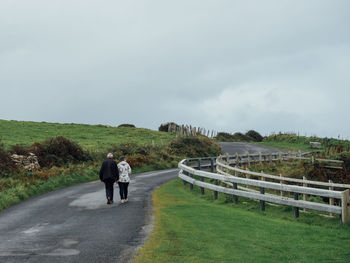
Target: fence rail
(234, 186)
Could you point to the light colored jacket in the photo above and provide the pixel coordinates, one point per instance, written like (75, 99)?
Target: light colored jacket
(124, 172)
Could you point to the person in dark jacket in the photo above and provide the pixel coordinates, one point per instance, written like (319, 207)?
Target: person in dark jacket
(109, 174)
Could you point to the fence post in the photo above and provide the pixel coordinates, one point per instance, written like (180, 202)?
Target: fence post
(186, 163)
(216, 192)
(260, 158)
(270, 158)
(331, 200)
(345, 213)
(304, 195)
(227, 159)
(201, 177)
(191, 185)
(281, 182)
(296, 209)
(235, 197)
(280, 156)
(237, 160)
(247, 175)
(262, 191)
(248, 159)
(212, 168)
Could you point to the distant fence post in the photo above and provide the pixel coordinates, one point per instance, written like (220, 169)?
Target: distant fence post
(260, 158)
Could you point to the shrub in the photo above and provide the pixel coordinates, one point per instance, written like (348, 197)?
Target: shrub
(6, 163)
(224, 137)
(129, 148)
(59, 151)
(20, 150)
(255, 136)
(237, 137)
(240, 137)
(127, 125)
(165, 126)
(194, 146)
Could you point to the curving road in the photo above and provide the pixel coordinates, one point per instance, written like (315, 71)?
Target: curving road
(75, 224)
(244, 148)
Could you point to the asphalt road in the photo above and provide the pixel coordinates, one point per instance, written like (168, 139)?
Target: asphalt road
(244, 148)
(76, 225)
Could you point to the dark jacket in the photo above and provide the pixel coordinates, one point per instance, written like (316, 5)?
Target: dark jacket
(109, 170)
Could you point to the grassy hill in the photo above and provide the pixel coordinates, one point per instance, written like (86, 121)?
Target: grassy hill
(91, 137)
(72, 153)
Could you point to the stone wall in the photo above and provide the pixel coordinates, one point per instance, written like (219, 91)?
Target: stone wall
(29, 163)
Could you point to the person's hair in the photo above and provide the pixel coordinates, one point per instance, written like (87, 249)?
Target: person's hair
(110, 155)
(122, 158)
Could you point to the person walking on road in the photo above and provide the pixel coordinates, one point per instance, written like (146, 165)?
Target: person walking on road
(124, 179)
(109, 173)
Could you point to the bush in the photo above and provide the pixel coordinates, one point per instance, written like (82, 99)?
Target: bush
(20, 150)
(237, 137)
(59, 151)
(165, 127)
(127, 125)
(194, 146)
(224, 137)
(255, 136)
(6, 164)
(129, 148)
(240, 137)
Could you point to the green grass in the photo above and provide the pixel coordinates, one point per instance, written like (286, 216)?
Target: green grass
(289, 146)
(295, 142)
(91, 137)
(194, 228)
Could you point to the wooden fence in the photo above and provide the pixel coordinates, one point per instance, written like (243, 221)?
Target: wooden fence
(188, 130)
(235, 185)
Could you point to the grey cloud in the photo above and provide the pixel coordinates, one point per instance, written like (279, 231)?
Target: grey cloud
(155, 61)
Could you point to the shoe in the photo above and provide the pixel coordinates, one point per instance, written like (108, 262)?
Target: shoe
(126, 199)
(122, 201)
(109, 201)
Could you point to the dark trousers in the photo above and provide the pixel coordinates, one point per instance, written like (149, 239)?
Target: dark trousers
(123, 190)
(109, 188)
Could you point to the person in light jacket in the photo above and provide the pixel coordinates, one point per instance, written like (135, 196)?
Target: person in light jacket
(109, 173)
(124, 179)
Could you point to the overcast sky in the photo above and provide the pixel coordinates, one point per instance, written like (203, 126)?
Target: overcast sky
(225, 65)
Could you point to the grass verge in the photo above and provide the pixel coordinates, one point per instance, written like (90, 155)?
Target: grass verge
(194, 228)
